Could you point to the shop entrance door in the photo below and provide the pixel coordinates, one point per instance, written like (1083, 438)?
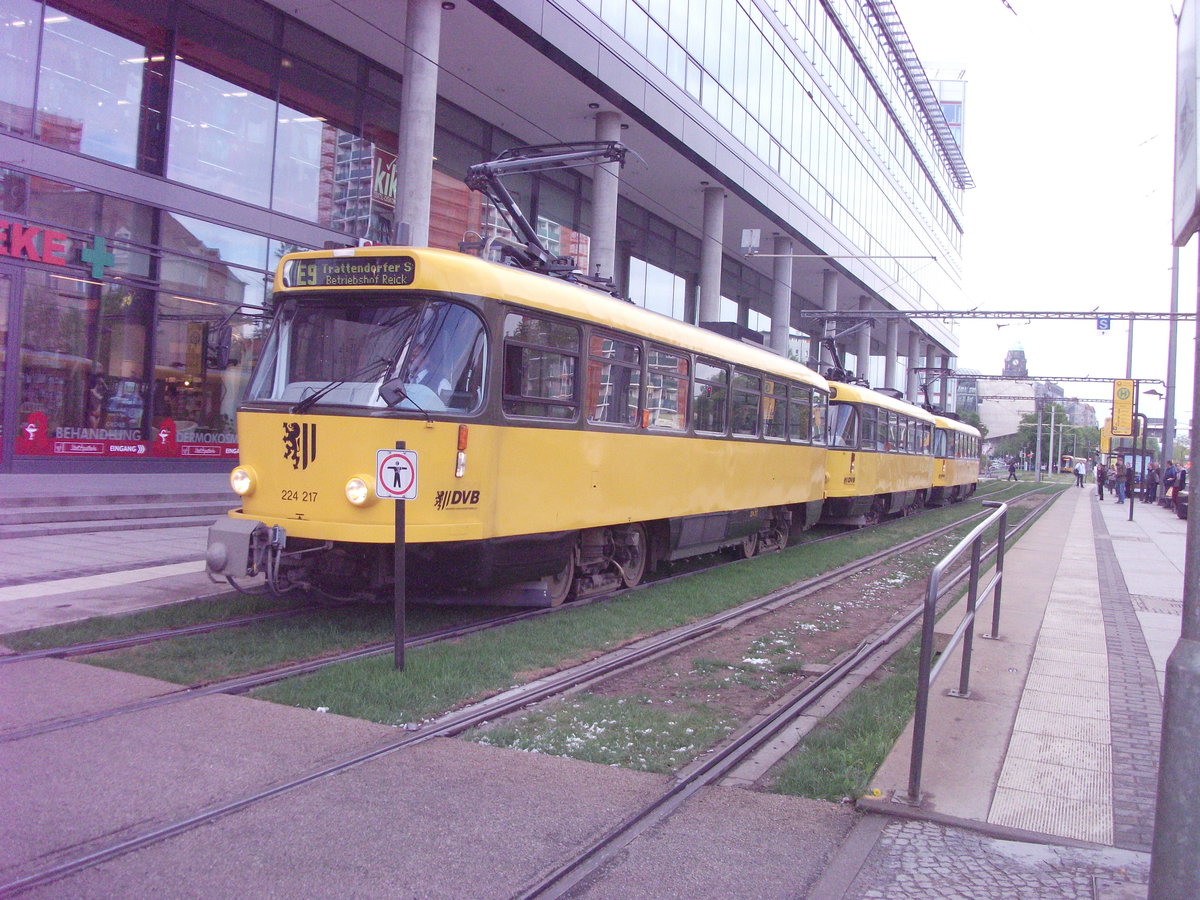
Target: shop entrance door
(10, 360)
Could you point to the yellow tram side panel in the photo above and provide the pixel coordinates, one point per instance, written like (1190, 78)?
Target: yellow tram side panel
(865, 473)
(516, 481)
(948, 472)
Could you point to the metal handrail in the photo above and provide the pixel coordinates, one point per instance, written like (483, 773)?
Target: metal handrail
(964, 633)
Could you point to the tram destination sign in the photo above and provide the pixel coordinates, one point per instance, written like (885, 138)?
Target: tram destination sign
(350, 271)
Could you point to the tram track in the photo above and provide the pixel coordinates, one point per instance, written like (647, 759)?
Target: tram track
(241, 684)
(712, 768)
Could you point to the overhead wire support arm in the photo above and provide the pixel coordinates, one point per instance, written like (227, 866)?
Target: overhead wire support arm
(528, 251)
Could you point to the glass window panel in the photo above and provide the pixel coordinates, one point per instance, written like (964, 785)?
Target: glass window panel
(20, 24)
(746, 400)
(203, 359)
(614, 381)
(129, 228)
(83, 364)
(90, 90)
(820, 412)
(709, 397)
(214, 260)
(221, 136)
(666, 390)
(539, 378)
(800, 414)
(775, 408)
(843, 425)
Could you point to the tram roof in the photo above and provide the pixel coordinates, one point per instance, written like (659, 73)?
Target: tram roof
(853, 393)
(459, 273)
(955, 425)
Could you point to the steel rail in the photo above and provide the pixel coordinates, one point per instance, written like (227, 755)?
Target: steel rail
(149, 637)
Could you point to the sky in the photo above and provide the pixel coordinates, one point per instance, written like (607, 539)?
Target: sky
(1069, 137)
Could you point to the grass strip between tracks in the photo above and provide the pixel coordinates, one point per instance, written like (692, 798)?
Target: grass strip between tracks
(443, 676)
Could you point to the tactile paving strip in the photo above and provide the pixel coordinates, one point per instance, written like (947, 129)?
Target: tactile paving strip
(1057, 774)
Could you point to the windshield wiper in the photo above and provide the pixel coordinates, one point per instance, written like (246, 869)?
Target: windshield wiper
(371, 370)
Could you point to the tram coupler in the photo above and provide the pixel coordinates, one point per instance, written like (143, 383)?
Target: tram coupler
(238, 547)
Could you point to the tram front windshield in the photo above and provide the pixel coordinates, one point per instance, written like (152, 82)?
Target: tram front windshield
(338, 352)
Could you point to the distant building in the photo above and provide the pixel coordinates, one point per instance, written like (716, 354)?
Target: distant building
(1003, 402)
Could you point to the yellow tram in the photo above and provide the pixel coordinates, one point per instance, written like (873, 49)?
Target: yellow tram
(956, 449)
(566, 441)
(879, 460)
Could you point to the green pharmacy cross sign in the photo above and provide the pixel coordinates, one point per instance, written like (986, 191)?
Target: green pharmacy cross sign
(98, 256)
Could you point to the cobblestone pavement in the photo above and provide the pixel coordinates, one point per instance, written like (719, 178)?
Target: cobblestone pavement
(922, 860)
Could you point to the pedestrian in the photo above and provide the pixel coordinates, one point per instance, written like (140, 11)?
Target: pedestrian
(1012, 470)
(1130, 481)
(1180, 484)
(1101, 477)
(1080, 471)
(1168, 483)
(1153, 478)
(1120, 479)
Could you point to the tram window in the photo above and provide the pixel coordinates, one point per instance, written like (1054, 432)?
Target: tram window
(747, 397)
(843, 426)
(940, 441)
(666, 389)
(800, 414)
(891, 442)
(710, 393)
(774, 409)
(541, 363)
(867, 428)
(820, 410)
(613, 381)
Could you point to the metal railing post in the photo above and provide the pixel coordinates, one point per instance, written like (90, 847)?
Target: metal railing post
(964, 672)
(1001, 537)
(924, 667)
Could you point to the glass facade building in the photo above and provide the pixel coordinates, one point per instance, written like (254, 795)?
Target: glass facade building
(157, 159)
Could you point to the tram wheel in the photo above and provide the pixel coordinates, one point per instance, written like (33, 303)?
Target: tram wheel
(875, 514)
(633, 554)
(784, 532)
(748, 547)
(559, 587)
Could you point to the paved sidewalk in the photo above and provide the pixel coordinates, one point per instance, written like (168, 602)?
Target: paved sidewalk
(1043, 781)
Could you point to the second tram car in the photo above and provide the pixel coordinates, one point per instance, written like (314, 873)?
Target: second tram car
(880, 456)
(566, 440)
(956, 448)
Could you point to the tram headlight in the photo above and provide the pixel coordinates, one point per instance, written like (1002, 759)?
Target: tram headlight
(243, 480)
(360, 490)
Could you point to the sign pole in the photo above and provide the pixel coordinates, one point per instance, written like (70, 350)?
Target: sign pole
(398, 582)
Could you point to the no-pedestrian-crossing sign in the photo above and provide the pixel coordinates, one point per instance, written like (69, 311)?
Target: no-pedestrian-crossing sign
(396, 474)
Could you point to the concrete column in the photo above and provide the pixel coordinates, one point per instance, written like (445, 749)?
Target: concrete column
(781, 295)
(418, 106)
(829, 301)
(914, 360)
(606, 179)
(945, 361)
(863, 367)
(712, 241)
(891, 343)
